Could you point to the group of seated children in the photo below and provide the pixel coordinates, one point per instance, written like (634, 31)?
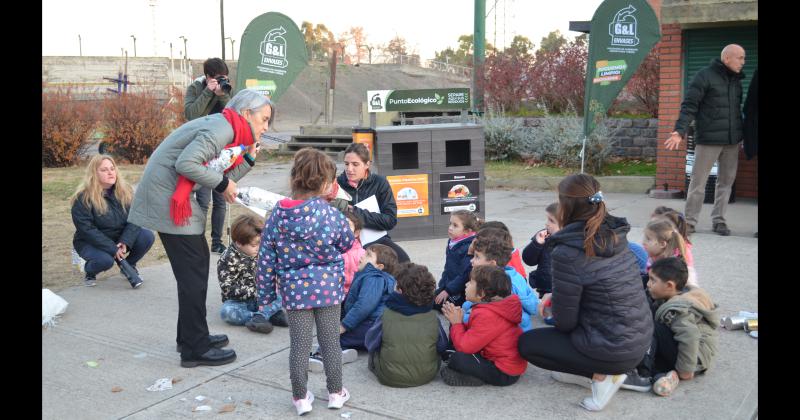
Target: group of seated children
(388, 308)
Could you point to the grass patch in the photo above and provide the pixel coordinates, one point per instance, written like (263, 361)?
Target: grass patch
(506, 169)
(510, 170)
(630, 168)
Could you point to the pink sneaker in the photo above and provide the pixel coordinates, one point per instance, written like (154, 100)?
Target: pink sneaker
(303, 405)
(337, 400)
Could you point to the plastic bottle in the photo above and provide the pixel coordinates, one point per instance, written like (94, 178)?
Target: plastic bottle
(226, 158)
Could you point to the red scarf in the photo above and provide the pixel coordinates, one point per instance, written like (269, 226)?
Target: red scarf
(180, 208)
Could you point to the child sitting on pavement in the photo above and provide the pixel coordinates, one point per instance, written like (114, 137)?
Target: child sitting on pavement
(406, 342)
(354, 254)
(486, 345)
(463, 224)
(365, 303)
(537, 254)
(491, 248)
(685, 334)
(516, 259)
(236, 270)
(661, 240)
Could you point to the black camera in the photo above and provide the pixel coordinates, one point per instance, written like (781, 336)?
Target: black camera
(224, 84)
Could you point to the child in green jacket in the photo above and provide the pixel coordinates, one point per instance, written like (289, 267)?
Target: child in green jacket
(405, 344)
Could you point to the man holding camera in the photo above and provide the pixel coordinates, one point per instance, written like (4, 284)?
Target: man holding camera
(209, 94)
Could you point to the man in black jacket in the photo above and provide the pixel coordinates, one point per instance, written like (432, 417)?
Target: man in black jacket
(714, 101)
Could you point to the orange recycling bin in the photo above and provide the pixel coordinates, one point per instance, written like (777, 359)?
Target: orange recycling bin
(365, 136)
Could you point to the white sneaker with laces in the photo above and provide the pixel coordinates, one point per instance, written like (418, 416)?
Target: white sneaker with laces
(338, 400)
(303, 405)
(602, 391)
(569, 378)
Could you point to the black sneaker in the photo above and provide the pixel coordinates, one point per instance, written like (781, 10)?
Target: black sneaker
(90, 280)
(721, 228)
(218, 248)
(634, 382)
(279, 319)
(454, 378)
(259, 323)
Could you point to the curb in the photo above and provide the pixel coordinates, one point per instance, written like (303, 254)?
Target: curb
(610, 184)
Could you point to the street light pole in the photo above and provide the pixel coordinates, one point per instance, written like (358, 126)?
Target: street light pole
(233, 51)
(185, 53)
(80, 46)
(134, 45)
(222, 28)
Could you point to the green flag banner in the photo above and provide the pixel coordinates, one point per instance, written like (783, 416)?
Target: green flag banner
(418, 100)
(622, 34)
(271, 55)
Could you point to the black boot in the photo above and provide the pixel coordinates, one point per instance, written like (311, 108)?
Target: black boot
(279, 319)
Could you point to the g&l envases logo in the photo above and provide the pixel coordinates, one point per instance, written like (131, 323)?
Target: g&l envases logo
(623, 28)
(273, 49)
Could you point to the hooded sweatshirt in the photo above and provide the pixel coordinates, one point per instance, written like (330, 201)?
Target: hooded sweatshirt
(493, 331)
(301, 249)
(694, 320)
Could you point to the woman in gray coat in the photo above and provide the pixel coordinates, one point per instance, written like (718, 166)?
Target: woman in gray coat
(164, 202)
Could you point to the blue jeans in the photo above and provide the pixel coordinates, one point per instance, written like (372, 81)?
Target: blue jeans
(98, 261)
(238, 312)
(203, 196)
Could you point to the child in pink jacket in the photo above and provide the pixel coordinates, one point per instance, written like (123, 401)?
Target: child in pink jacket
(353, 255)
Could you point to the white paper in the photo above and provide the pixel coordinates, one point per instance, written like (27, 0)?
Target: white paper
(368, 235)
(161, 385)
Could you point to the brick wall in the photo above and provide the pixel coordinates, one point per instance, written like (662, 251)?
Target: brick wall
(671, 164)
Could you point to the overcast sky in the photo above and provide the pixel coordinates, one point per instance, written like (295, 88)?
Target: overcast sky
(105, 26)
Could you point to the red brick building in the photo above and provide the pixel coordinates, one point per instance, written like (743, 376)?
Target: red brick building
(692, 33)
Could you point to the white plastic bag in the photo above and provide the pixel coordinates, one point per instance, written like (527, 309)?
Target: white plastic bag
(53, 305)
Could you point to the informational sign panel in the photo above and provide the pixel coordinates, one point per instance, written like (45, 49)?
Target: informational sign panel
(271, 55)
(418, 100)
(459, 191)
(411, 194)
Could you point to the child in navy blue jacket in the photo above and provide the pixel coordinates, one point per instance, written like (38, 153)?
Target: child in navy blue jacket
(537, 254)
(364, 304)
(457, 266)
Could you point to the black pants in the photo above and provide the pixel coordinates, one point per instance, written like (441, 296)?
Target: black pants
(551, 349)
(481, 368)
(204, 197)
(663, 353)
(386, 240)
(189, 257)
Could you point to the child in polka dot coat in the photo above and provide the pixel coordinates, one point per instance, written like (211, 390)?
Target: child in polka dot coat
(301, 250)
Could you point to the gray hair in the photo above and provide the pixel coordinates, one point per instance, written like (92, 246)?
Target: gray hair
(249, 99)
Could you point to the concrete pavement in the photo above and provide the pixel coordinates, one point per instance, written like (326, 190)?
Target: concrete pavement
(130, 334)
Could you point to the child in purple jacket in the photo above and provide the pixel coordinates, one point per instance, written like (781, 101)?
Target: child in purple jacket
(301, 249)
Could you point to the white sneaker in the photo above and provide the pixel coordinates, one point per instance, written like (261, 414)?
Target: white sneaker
(315, 363)
(338, 400)
(602, 391)
(303, 405)
(349, 355)
(569, 378)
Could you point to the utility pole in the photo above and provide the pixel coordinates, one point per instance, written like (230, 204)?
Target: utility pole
(134, 45)
(222, 28)
(80, 46)
(479, 38)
